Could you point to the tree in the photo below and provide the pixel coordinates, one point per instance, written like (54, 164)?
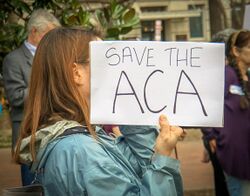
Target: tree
(114, 17)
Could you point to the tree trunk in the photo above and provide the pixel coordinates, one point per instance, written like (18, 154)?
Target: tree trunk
(238, 9)
(216, 19)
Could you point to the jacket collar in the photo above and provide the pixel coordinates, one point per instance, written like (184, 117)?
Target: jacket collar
(27, 54)
(42, 138)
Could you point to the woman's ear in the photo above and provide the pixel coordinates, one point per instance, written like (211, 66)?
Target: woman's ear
(235, 51)
(77, 74)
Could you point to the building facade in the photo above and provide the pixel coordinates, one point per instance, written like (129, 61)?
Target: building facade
(172, 20)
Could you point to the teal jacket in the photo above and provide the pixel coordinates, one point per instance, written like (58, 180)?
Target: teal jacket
(78, 164)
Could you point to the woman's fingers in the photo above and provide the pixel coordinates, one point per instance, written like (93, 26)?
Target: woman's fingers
(177, 130)
(183, 135)
(116, 131)
(164, 124)
(168, 137)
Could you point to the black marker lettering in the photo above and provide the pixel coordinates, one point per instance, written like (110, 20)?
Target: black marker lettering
(149, 57)
(140, 61)
(145, 96)
(188, 93)
(170, 54)
(113, 55)
(126, 55)
(125, 93)
(185, 59)
(194, 57)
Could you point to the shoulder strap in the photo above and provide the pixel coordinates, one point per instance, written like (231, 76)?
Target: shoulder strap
(74, 130)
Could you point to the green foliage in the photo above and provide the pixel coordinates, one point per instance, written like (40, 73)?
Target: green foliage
(114, 18)
(117, 19)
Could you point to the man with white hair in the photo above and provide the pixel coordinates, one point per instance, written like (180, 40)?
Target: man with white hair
(16, 73)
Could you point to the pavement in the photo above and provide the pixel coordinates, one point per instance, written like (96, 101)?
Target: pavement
(197, 176)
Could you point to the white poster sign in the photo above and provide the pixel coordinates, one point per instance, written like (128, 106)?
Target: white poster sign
(133, 82)
(246, 23)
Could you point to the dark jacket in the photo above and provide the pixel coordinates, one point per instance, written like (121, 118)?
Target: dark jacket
(233, 140)
(16, 74)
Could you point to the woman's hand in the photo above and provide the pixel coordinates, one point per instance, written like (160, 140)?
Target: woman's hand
(116, 131)
(167, 138)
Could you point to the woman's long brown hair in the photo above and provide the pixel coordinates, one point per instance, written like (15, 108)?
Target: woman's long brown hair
(239, 39)
(53, 94)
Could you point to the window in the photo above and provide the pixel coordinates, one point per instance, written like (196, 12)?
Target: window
(148, 30)
(196, 23)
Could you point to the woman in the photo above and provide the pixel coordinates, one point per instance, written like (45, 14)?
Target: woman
(73, 157)
(220, 186)
(232, 142)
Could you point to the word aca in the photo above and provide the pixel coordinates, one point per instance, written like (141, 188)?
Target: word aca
(132, 92)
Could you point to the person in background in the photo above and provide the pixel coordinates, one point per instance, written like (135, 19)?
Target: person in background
(16, 73)
(73, 157)
(231, 143)
(210, 153)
